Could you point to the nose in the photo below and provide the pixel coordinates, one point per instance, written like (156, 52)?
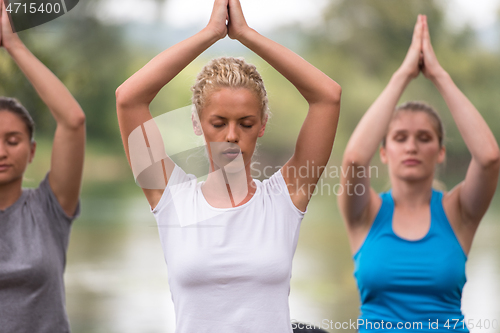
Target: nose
(3, 151)
(411, 145)
(232, 134)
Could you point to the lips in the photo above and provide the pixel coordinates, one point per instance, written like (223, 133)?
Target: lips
(231, 153)
(4, 167)
(411, 161)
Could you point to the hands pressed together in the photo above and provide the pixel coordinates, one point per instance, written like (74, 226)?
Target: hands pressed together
(228, 20)
(7, 37)
(420, 56)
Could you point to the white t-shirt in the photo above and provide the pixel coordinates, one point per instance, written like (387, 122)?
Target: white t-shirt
(229, 268)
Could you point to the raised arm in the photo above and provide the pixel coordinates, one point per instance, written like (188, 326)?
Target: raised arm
(472, 196)
(357, 210)
(134, 95)
(69, 140)
(315, 141)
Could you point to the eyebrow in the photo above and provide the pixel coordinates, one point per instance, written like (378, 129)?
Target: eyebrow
(14, 133)
(224, 118)
(418, 131)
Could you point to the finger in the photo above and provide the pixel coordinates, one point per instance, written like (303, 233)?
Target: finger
(6, 24)
(417, 32)
(235, 6)
(426, 39)
(220, 8)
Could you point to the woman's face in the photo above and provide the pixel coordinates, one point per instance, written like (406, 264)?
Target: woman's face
(412, 147)
(16, 148)
(231, 122)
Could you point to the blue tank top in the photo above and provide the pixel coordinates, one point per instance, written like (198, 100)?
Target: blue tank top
(411, 284)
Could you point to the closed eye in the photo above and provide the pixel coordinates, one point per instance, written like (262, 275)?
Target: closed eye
(400, 138)
(425, 138)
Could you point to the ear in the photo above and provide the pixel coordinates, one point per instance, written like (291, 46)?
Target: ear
(263, 128)
(383, 156)
(196, 124)
(442, 155)
(32, 151)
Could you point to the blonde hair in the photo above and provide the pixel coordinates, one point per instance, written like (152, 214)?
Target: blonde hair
(231, 73)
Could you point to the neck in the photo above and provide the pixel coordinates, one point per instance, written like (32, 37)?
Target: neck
(229, 189)
(10, 193)
(412, 194)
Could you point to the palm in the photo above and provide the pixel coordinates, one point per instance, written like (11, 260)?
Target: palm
(237, 23)
(411, 64)
(7, 36)
(218, 19)
(431, 66)
(1, 21)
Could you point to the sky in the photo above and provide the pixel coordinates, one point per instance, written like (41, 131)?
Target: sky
(269, 14)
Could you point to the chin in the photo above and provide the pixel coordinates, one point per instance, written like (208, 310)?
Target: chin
(5, 178)
(414, 176)
(235, 166)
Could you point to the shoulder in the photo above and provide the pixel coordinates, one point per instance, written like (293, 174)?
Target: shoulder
(180, 183)
(44, 197)
(276, 188)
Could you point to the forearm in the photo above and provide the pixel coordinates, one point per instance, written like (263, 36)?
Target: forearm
(313, 85)
(474, 130)
(371, 129)
(143, 86)
(54, 94)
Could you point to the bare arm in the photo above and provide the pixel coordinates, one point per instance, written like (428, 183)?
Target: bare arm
(315, 141)
(134, 95)
(474, 194)
(69, 140)
(358, 210)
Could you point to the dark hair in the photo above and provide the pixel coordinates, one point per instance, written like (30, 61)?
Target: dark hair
(416, 106)
(13, 105)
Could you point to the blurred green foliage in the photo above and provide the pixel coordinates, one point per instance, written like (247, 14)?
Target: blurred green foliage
(359, 43)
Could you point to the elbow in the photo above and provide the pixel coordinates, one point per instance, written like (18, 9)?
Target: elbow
(493, 160)
(120, 97)
(123, 97)
(333, 93)
(353, 158)
(80, 119)
(338, 92)
(77, 120)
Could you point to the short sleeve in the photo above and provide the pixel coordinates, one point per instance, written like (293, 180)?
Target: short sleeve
(178, 180)
(56, 218)
(46, 196)
(276, 186)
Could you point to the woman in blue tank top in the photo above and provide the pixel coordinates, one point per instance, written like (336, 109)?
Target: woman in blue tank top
(410, 244)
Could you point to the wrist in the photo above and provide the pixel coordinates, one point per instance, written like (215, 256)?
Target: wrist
(13, 46)
(211, 35)
(439, 76)
(402, 76)
(245, 35)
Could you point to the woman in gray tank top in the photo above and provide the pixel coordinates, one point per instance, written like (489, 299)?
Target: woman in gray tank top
(35, 223)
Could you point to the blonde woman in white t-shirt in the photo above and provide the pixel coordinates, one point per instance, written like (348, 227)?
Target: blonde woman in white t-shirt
(229, 241)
